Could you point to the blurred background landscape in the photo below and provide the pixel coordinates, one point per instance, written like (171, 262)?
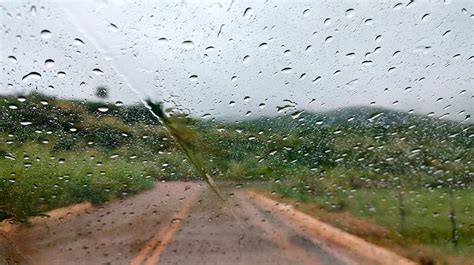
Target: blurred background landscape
(410, 174)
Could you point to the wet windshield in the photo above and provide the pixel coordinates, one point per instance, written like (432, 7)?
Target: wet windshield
(236, 132)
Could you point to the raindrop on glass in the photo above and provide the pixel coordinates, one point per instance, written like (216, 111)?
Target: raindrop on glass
(31, 76)
(79, 42)
(12, 59)
(103, 109)
(350, 55)
(367, 63)
(112, 27)
(45, 34)
(350, 13)
(397, 6)
(162, 41)
(97, 71)
(33, 10)
(187, 45)
(306, 12)
(425, 17)
(49, 63)
(248, 12)
(193, 78)
(328, 39)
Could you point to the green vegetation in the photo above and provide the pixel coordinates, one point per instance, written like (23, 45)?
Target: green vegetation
(427, 213)
(71, 152)
(408, 173)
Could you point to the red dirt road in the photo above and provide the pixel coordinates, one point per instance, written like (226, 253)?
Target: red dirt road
(183, 223)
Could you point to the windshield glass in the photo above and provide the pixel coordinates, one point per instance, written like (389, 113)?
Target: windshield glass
(236, 132)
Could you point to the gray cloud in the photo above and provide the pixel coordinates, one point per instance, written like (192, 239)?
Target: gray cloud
(206, 55)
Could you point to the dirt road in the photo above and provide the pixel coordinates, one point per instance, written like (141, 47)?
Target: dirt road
(176, 223)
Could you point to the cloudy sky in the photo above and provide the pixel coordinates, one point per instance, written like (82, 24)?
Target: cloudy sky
(245, 58)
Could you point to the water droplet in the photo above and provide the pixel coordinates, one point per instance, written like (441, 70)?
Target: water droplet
(194, 78)
(61, 74)
(369, 21)
(187, 45)
(425, 17)
(49, 63)
(246, 98)
(367, 63)
(397, 6)
(118, 103)
(248, 12)
(79, 42)
(97, 71)
(445, 34)
(287, 52)
(263, 46)
(12, 106)
(317, 79)
(46, 34)
(306, 12)
(378, 38)
(21, 99)
(246, 59)
(31, 76)
(350, 13)
(162, 41)
(350, 55)
(395, 54)
(25, 123)
(328, 39)
(286, 70)
(352, 83)
(308, 48)
(103, 109)
(231, 103)
(112, 27)
(33, 10)
(302, 76)
(12, 59)
(327, 22)
(176, 220)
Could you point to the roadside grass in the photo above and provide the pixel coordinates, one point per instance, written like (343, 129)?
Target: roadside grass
(426, 234)
(40, 179)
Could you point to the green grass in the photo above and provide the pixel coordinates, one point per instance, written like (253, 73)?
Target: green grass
(427, 217)
(40, 179)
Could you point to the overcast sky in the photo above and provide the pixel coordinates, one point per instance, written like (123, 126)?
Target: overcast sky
(238, 58)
